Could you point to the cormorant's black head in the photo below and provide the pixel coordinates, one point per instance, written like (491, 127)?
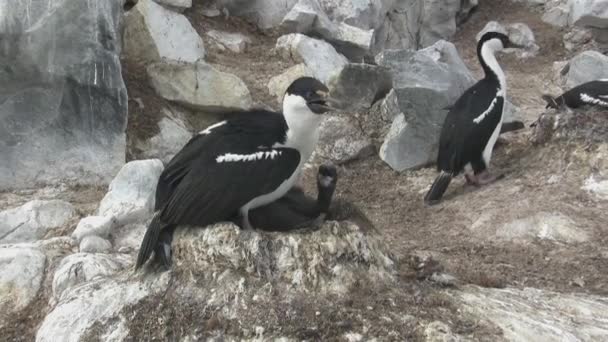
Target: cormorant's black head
(327, 176)
(309, 92)
(498, 40)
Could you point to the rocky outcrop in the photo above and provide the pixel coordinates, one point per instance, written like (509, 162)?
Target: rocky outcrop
(235, 42)
(173, 136)
(199, 86)
(358, 86)
(153, 33)
(63, 100)
(425, 83)
(130, 197)
(21, 274)
(33, 220)
(584, 67)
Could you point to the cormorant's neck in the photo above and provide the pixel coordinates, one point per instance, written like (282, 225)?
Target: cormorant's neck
(324, 196)
(487, 59)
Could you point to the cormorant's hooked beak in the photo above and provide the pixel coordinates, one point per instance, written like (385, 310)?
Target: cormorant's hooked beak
(321, 102)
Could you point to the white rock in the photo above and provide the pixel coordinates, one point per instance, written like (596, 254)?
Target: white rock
(538, 315)
(103, 302)
(80, 268)
(358, 85)
(264, 13)
(235, 42)
(172, 137)
(597, 188)
(94, 244)
(319, 56)
(33, 220)
(589, 13)
(21, 274)
(341, 141)
(438, 20)
(131, 194)
(93, 226)
(586, 66)
(279, 84)
(177, 4)
(128, 238)
(199, 86)
(557, 15)
(153, 33)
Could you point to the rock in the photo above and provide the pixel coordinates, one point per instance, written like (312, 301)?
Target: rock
(438, 20)
(438, 331)
(80, 268)
(264, 13)
(63, 102)
(378, 120)
(93, 226)
(99, 304)
(199, 86)
(425, 83)
(320, 57)
(21, 274)
(589, 13)
(303, 16)
(519, 33)
(586, 66)
(279, 84)
(31, 221)
(491, 26)
(576, 37)
(543, 225)
(327, 261)
(557, 15)
(153, 33)
(128, 238)
(94, 244)
(131, 194)
(358, 86)
(173, 135)
(537, 315)
(597, 188)
(235, 42)
(341, 141)
(401, 28)
(179, 5)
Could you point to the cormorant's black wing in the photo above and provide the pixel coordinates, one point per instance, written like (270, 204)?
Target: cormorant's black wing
(468, 126)
(214, 190)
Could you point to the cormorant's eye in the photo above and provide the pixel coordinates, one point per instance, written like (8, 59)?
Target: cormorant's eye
(310, 94)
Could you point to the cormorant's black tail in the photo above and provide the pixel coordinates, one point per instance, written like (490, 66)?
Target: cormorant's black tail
(551, 101)
(150, 241)
(440, 185)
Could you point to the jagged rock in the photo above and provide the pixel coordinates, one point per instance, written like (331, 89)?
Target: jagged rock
(33, 220)
(80, 268)
(543, 226)
(589, 13)
(179, 5)
(341, 141)
(153, 33)
(377, 122)
(278, 84)
(94, 244)
(21, 274)
(576, 38)
(425, 83)
(235, 42)
(99, 304)
(537, 315)
(173, 135)
(557, 15)
(62, 98)
(438, 20)
(264, 13)
(128, 238)
(401, 29)
(519, 33)
(199, 86)
(94, 226)
(327, 261)
(599, 188)
(358, 86)
(586, 66)
(320, 57)
(131, 194)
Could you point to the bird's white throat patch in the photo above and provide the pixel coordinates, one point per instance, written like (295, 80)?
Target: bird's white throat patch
(302, 125)
(233, 157)
(488, 54)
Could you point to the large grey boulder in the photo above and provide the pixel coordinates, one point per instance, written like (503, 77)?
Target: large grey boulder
(21, 274)
(31, 221)
(235, 42)
(199, 86)
(438, 20)
(131, 194)
(173, 135)
(320, 57)
(358, 86)
(153, 33)
(586, 66)
(591, 14)
(264, 13)
(63, 102)
(179, 5)
(425, 83)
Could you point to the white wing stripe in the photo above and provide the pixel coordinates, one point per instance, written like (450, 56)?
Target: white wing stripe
(487, 111)
(232, 157)
(588, 99)
(210, 128)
